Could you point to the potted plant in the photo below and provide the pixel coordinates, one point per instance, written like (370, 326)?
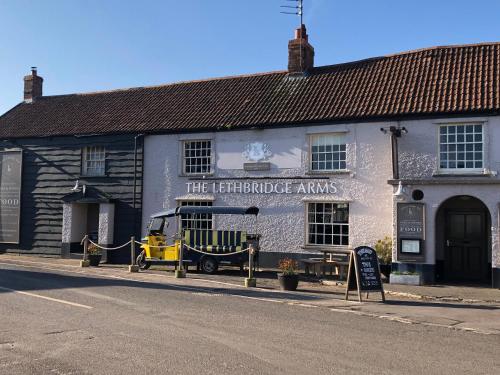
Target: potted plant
(384, 253)
(288, 278)
(94, 255)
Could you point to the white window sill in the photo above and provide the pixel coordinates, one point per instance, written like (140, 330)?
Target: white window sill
(328, 247)
(195, 197)
(200, 176)
(464, 172)
(322, 173)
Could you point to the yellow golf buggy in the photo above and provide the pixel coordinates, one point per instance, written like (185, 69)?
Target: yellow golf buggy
(203, 248)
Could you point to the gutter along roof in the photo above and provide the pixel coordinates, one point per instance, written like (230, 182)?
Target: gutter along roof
(435, 81)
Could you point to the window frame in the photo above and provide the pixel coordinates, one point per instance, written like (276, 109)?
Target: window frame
(184, 172)
(308, 244)
(195, 202)
(311, 136)
(84, 160)
(462, 171)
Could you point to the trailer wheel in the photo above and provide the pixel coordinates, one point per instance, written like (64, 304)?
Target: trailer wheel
(141, 262)
(209, 265)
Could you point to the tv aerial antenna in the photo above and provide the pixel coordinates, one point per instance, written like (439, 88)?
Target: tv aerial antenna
(299, 9)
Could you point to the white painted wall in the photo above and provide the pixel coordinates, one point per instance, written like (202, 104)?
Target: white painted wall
(282, 221)
(106, 223)
(74, 225)
(419, 160)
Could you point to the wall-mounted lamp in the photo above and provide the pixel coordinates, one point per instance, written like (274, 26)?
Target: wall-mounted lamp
(397, 131)
(401, 192)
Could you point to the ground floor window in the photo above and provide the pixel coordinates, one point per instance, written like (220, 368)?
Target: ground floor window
(327, 223)
(200, 221)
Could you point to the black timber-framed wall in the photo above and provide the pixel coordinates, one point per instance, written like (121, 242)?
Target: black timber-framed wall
(51, 167)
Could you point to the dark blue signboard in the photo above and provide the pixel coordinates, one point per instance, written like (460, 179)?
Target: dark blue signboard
(10, 195)
(364, 272)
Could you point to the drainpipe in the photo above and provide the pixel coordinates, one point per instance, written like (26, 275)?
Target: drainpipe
(395, 156)
(134, 200)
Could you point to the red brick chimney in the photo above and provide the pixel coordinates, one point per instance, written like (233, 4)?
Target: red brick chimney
(300, 53)
(32, 86)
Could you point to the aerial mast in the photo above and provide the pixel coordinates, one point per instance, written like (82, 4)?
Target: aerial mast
(299, 9)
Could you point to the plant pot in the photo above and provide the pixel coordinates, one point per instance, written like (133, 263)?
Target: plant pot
(288, 282)
(406, 279)
(94, 259)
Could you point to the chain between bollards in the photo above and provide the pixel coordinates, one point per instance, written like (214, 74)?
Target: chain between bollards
(250, 281)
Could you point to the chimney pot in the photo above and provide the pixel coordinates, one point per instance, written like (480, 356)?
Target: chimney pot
(33, 86)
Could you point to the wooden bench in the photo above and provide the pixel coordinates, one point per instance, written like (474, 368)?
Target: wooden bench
(340, 264)
(341, 268)
(312, 263)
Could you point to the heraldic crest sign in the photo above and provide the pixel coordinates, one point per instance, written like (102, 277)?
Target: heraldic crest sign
(257, 151)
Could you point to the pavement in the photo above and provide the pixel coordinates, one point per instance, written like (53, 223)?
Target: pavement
(58, 318)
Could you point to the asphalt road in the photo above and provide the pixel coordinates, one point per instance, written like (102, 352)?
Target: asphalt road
(63, 322)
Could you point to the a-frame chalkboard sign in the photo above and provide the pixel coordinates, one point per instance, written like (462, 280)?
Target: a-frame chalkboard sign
(364, 272)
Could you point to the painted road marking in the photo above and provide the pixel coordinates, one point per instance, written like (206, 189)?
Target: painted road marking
(46, 298)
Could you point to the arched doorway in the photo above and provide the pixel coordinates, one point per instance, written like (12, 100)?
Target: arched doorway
(463, 241)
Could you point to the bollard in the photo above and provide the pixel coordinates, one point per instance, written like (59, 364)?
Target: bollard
(180, 272)
(250, 281)
(133, 267)
(85, 262)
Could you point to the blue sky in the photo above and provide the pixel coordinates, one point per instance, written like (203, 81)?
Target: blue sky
(90, 45)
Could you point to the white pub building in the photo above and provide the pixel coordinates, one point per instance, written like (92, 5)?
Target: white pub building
(344, 155)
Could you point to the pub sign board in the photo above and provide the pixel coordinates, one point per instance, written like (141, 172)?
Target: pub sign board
(411, 229)
(364, 272)
(10, 195)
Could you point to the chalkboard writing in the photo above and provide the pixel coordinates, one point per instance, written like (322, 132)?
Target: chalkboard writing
(364, 272)
(368, 268)
(10, 195)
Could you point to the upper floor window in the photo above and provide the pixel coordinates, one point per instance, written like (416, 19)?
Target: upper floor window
(328, 152)
(94, 161)
(197, 221)
(461, 147)
(328, 224)
(197, 157)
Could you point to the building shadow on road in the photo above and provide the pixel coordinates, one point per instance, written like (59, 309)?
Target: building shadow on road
(19, 280)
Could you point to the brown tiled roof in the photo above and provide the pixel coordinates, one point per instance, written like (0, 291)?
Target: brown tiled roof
(434, 81)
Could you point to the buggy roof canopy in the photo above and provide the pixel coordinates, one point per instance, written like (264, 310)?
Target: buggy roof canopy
(216, 210)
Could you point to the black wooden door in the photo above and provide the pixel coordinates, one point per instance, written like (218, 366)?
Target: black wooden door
(465, 248)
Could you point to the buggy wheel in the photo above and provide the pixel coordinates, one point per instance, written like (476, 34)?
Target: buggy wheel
(209, 265)
(141, 261)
